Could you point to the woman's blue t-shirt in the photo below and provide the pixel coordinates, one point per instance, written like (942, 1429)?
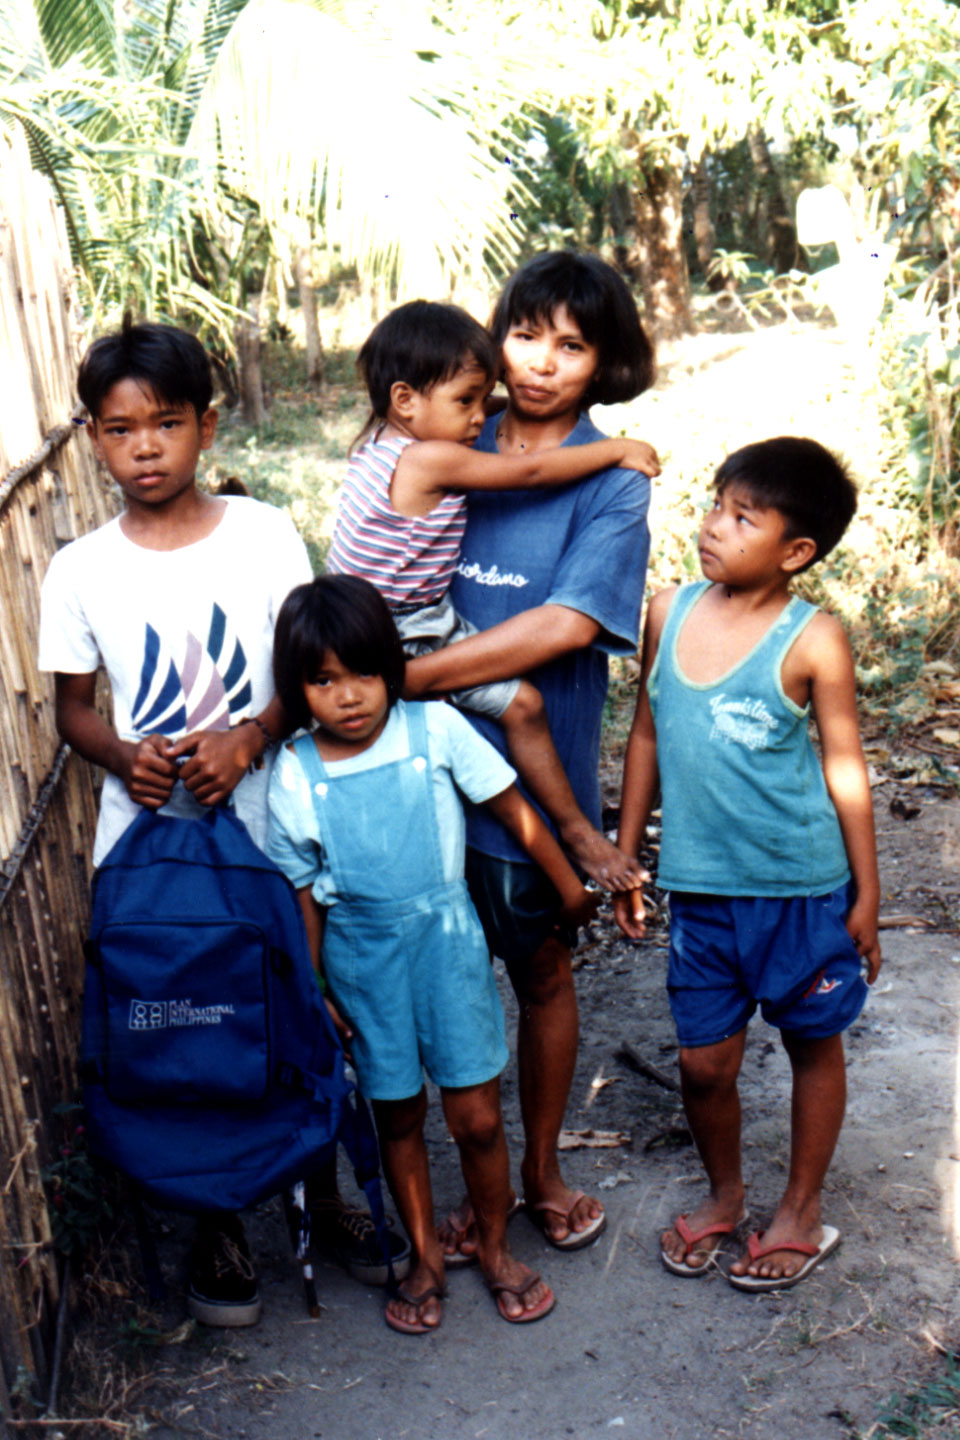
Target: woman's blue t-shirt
(584, 546)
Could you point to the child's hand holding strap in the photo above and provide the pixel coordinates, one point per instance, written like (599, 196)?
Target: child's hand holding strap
(151, 773)
(217, 760)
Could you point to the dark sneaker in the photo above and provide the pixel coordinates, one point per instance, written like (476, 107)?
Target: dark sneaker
(349, 1236)
(223, 1283)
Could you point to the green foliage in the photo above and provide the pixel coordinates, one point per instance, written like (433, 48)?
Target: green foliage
(730, 265)
(77, 1194)
(924, 1413)
(191, 146)
(921, 357)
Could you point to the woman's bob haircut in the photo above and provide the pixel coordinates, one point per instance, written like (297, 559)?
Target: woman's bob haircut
(599, 301)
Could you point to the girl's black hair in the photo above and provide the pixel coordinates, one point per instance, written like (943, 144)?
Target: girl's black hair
(802, 480)
(599, 301)
(171, 362)
(341, 613)
(423, 343)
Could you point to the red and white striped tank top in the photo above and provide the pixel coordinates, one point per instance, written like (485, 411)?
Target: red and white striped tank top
(410, 559)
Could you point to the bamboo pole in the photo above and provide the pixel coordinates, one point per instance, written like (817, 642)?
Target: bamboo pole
(50, 492)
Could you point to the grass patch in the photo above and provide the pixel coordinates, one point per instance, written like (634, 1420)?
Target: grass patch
(932, 1410)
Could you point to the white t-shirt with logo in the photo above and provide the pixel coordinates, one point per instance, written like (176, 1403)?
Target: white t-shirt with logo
(185, 636)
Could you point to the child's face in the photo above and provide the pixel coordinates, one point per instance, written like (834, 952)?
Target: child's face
(150, 448)
(548, 367)
(452, 410)
(351, 708)
(741, 543)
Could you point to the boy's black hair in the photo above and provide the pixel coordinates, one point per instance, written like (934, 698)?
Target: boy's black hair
(341, 613)
(171, 362)
(599, 301)
(810, 487)
(423, 343)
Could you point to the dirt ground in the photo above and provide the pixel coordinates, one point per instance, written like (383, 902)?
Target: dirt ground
(631, 1350)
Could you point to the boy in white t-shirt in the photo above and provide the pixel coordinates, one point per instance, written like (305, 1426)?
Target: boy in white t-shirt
(176, 598)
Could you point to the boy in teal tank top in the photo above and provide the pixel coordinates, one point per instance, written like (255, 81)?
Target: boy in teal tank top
(770, 860)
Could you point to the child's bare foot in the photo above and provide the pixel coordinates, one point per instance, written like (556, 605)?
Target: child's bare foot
(520, 1293)
(692, 1241)
(457, 1233)
(418, 1304)
(600, 859)
(790, 1228)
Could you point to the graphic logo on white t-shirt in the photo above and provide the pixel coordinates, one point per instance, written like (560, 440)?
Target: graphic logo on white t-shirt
(742, 722)
(200, 689)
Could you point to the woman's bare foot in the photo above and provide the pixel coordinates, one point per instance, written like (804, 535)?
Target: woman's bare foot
(600, 859)
(676, 1248)
(568, 1218)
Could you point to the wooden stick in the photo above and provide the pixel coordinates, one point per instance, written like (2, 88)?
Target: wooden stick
(635, 1060)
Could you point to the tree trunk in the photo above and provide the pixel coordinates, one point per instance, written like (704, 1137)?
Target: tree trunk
(776, 231)
(248, 361)
(704, 234)
(662, 261)
(303, 274)
(623, 226)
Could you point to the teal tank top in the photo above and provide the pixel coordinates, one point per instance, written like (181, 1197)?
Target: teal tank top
(746, 810)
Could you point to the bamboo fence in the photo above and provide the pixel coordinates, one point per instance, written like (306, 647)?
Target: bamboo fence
(50, 491)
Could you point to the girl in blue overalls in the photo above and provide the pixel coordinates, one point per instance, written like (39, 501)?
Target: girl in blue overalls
(367, 823)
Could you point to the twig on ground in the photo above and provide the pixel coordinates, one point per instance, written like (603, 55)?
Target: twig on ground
(676, 1131)
(101, 1420)
(781, 1320)
(635, 1060)
(851, 1329)
(865, 1227)
(931, 1339)
(593, 1139)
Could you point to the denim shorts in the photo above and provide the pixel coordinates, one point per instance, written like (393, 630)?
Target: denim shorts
(517, 905)
(793, 957)
(413, 979)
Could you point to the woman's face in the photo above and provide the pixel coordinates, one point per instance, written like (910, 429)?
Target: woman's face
(548, 367)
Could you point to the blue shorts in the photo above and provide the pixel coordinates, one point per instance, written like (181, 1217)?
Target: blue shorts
(793, 957)
(518, 907)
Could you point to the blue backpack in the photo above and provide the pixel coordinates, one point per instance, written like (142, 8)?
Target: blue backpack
(213, 1076)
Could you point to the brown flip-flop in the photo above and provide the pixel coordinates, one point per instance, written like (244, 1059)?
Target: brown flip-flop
(414, 1327)
(499, 1288)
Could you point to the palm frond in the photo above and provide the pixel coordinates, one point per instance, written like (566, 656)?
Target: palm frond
(86, 31)
(381, 148)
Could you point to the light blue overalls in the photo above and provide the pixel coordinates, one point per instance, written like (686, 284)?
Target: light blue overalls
(403, 952)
